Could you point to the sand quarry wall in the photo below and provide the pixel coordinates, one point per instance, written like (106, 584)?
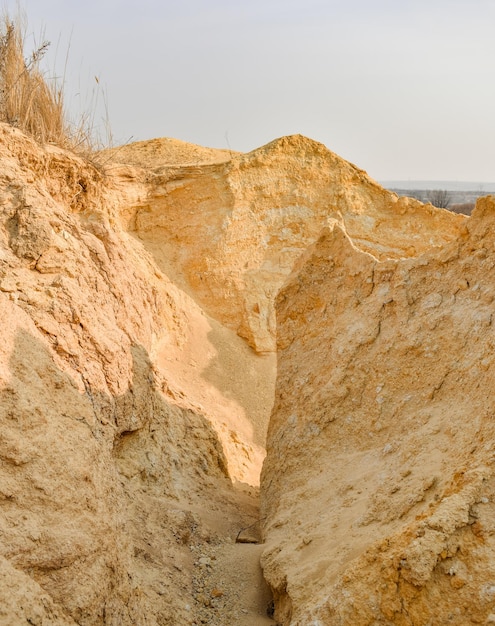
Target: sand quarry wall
(137, 376)
(378, 487)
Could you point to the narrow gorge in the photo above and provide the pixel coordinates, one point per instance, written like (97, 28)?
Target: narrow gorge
(181, 322)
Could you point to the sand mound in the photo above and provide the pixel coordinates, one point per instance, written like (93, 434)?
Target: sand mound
(164, 151)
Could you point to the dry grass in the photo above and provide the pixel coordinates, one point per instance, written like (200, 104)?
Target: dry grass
(30, 100)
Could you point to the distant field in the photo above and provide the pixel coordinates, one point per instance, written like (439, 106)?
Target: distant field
(482, 188)
(462, 195)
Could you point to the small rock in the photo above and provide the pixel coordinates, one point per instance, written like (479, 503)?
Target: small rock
(216, 593)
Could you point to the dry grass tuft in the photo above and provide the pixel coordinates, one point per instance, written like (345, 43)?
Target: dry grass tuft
(30, 100)
(27, 100)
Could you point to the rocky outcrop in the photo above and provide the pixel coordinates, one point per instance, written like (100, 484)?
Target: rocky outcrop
(229, 228)
(378, 486)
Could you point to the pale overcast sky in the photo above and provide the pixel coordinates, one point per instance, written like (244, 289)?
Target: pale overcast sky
(405, 89)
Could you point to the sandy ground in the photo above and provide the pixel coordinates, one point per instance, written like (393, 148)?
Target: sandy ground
(229, 587)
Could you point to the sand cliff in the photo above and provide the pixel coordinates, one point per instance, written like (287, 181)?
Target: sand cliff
(378, 486)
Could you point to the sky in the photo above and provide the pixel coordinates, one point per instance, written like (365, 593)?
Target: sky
(404, 89)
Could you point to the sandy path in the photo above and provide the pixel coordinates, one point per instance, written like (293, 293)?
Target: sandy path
(229, 587)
